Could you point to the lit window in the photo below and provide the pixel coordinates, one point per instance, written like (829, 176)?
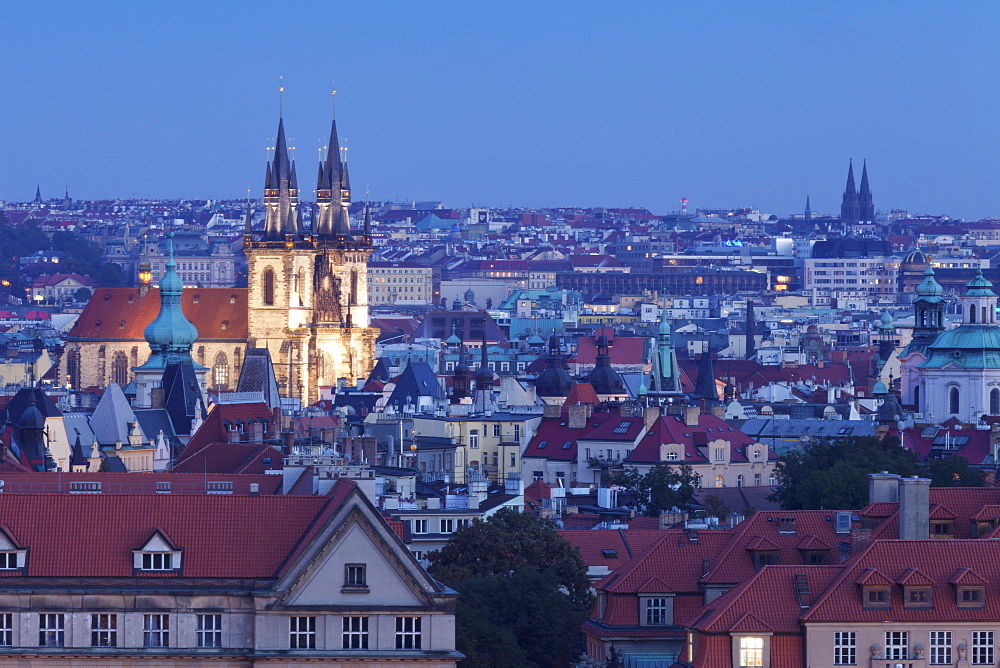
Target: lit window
(751, 651)
(104, 630)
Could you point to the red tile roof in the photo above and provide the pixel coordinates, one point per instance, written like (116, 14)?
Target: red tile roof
(122, 313)
(229, 458)
(214, 429)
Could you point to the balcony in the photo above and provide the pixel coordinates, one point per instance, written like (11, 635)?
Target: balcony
(601, 462)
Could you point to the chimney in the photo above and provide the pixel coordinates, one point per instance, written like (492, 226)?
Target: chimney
(914, 508)
(883, 487)
(551, 411)
(718, 411)
(369, 449)
(860, 539)
(254, 489)
(157, 397)
(650, 415)
(256, 430)
(691, 414)
(578, 417)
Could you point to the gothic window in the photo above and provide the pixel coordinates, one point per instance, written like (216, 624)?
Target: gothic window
(119, 369)
(354, 286)
(953, 400)
(220, 372)
(236, 361)
(268, 286)
(201, 355)
(301, 280)
(73, 369)
(994, 401)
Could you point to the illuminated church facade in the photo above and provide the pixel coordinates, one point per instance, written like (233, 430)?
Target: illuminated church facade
(306, 300)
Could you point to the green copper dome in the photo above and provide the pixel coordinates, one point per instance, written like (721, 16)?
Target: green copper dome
(887, 322)
(979, 286)
(929, 289)
(171, 334)
(968, 346)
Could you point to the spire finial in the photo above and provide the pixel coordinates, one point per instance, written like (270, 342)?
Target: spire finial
(281, 96)
(333, 94)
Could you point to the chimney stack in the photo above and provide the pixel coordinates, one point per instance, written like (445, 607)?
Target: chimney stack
(883, 487)
(914, 508)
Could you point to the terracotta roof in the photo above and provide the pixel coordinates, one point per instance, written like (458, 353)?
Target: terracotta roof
(121, 313)
(135, 483)
(229, 458)
(946, 563)
(212, 530)
(214, 429)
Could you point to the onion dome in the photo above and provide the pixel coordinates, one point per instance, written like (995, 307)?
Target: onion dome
(979, 286)
(32, 418)
(886, 324)
(603, 377)
(915, 256)
(171, 333)
(929, 287)
(879, 389)
(554, 381)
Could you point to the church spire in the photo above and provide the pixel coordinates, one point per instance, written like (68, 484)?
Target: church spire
(281, 193)
(38, 193)
(171, 335)
(866, 208)
(849, 209)
(332, 216)
(809, 211)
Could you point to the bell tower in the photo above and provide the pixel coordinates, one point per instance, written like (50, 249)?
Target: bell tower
(308, 301)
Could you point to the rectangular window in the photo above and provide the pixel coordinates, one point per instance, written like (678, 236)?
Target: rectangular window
(104, 630)
(209, 630)
(897, 644)
(496, 431)
(302, 632)
(517, 433)
(355, 635)
(656, 611)
(751, 651)
(51, 630)
(940, 647)
(845, 648)
(447, 526)
(8, 561)
(157, 561)
(354, 575)
(419, 526)
(408, 633)
(156, 631)
(982, 648)
(6, 629)
(474, 439)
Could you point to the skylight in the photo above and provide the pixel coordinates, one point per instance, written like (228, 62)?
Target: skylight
(622, 427)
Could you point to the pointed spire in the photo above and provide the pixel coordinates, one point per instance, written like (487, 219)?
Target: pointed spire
(705, 385)
(864, 178)
(248, 223)
(809, 210)
(851, 189)
(38, 192)
(368, 221)
(866, 208)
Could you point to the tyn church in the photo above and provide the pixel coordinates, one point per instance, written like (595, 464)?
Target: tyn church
(306, 301)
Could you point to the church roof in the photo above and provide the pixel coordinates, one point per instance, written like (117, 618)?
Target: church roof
(970, 346)
(117, 314)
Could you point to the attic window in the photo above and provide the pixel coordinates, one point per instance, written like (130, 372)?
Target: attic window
(876, 598)
(224, 325)
(917, 598)
(567, 445)
(971, 597)
(131, 298)
(157, 555)
(121, 325)
(622, 427)
(232, 299)
(610, 554)
(541, 445)
(107, 298)
(12, 556)
(98, 323)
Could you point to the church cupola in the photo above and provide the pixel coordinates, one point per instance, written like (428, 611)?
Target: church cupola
(171, 335)
(605, 380)
(979, 303)
(554, 382)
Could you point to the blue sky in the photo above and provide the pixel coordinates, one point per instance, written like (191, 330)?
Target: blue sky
(523, 103)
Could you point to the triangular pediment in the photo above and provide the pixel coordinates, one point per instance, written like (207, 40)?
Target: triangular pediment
(7, 542)
(355, 536)
(952, 366)
(157, 542)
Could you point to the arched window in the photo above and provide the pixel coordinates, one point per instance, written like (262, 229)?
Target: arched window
(119, 369)
(953, 400)
(220, 372)
(268, 286)
(719, 481)
(983, 319)
(994, 401)
(972, 312)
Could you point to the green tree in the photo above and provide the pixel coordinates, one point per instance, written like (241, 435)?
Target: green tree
(715, 507)
(524, 591)
(659, 489)
(952, 471)
(834, 474)
(82, 295)
(110, 275)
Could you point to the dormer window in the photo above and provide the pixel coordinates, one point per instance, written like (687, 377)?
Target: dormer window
(12, 556)
(916, 597)
(158, 555)
(876, 598)
(972, 597)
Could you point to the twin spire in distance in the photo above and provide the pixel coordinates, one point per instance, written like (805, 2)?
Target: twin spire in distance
(283, 218)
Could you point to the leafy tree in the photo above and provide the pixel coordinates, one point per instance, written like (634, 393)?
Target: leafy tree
(82, 295)
(952, 471)
(715, 507)
(660, 489)
(524, 591)
(834, 474)
(110, 275)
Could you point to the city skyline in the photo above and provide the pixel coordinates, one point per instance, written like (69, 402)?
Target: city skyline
(527, 106)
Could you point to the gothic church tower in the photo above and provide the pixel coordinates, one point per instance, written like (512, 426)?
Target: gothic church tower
(308, 301)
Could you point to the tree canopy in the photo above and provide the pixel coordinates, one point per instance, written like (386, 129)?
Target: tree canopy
(524, 591)
(834, 474)
(659, 489)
